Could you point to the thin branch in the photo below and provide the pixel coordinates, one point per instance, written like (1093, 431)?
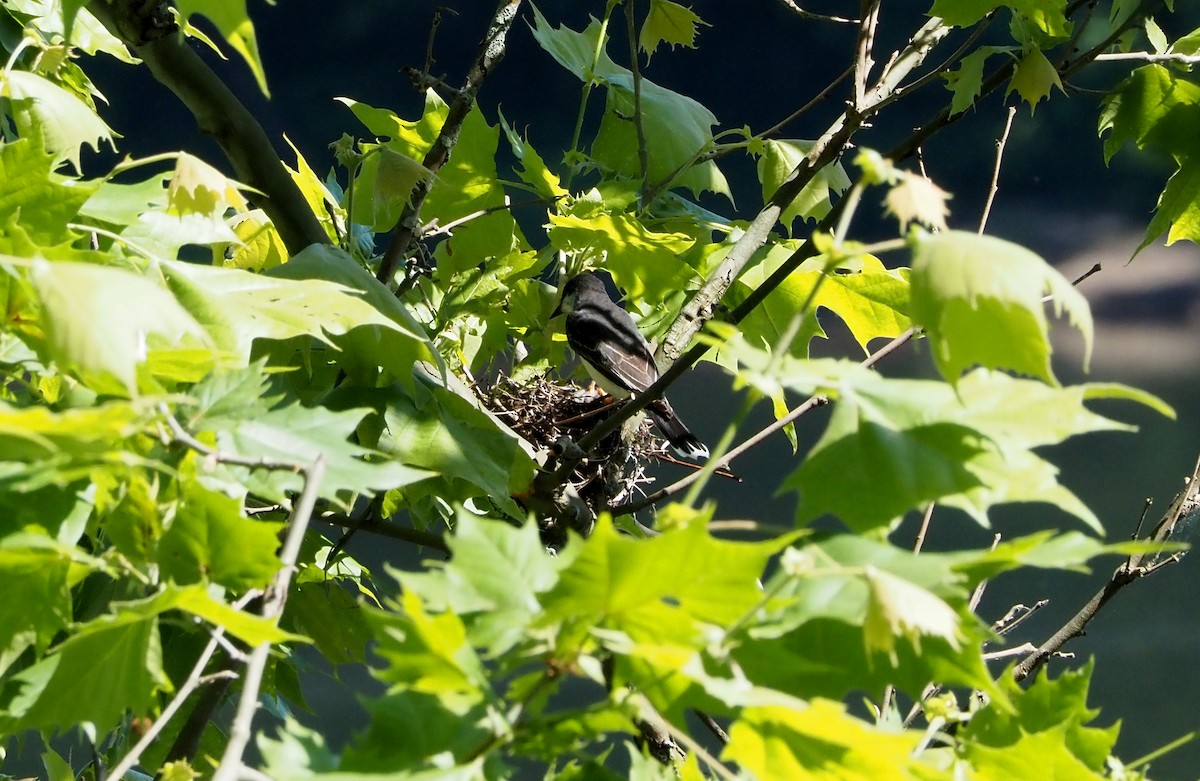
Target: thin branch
(995, 185)
(862, 50)
(638, 123)
(390, 530)
(273, 602)
(180, 436)
(490, 53)
(150, 31)
(1186, 59)
(919, 542)
(195, 679)
(798, 11)
(1185, 505)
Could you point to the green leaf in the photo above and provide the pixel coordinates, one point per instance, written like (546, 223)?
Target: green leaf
(632, 585)
(1049, 16)
(794, 739)
(1034, 77)
(967, 81)
(116, 659)
(321, 292)
(332, 618)
(897, 608)
(775, 165)
(676, 127)
(102, 350)
(1152, 107)
(1046, 725)
(232, 21)
(44, 110)
(980, 300)
(209, 539)
(822, 631)
(447, 431)
(38, 599)
(668, 23)
(643, 262)
(870, 299)
(426, 653)
(45, 201)
(250, 629)
(446, 730)
(493, 580)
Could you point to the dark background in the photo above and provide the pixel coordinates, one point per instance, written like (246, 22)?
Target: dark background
(756, 64)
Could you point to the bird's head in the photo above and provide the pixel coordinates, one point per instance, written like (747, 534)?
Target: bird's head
(581, 284)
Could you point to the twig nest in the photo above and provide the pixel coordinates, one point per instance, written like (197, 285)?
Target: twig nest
(552, 416)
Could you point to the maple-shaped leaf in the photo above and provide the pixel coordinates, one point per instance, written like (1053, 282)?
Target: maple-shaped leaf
(1034, 78)
(668, 23)
(198, 188)
(899, 608)
(980, 299)
(917, 199)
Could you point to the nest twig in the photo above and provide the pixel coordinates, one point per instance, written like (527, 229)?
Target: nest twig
(544, 411)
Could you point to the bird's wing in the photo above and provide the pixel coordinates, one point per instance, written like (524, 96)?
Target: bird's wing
(613, 346)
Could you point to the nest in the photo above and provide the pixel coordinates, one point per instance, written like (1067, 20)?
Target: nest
(543, 412)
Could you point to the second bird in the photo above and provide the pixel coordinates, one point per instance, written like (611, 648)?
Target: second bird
(618, 357)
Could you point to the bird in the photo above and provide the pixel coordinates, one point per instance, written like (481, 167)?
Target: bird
(617, 356)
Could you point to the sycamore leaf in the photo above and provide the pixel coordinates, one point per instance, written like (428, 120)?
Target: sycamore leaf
(231, 405)
(494, 579)
(980, 300)
(198, 188)
(332, 618)
(321, 292)
(446, 431)
(668, 23)
(533, 170)
(1034, 77)
(84, 337)
(642, 261)
(38, 597)
(1046, 726)
(1048, 16)
(426, 653)
(676, 126)
(467, 183)
(233, 22)
(870, 299)
(897, 608)
(967, 81)
(44, 200)
(817, 739)
(116, 659)
(627, 584)
(210, 539)
(917, 199)
(775, 165)
(823, 632)
(451, 729)
(249, 628)
(62, 121)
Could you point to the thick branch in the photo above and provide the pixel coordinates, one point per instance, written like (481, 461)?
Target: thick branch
(825, 150)
(153, 36)
(490, 53)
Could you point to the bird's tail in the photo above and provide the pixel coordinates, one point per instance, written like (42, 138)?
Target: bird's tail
(682, 440)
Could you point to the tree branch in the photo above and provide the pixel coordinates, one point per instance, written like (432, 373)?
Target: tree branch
(276, 596)
(1185, 507)
(490, 53)
(151, 33)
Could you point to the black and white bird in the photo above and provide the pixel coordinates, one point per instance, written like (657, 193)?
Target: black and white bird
(618, 357)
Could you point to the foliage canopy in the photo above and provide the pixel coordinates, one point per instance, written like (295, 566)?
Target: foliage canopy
(204, 372)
